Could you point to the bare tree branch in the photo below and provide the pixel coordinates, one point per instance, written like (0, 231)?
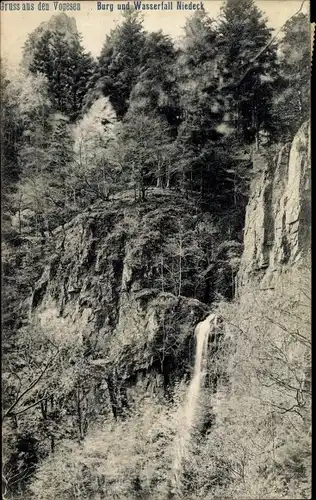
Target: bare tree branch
(23, 410)
(30, 387)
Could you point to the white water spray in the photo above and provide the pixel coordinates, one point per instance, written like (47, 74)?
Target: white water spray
(189, 410)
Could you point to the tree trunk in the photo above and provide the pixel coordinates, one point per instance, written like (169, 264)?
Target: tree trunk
(159, 176)
(112, 388)
(183, 178)
(20, 222)
(168, 178)
(143, 192)
(235, 197)
(105, 191)
(162, 276)
(79, 416)
(180, 265)
(44, 409)
(300, 106)
(52, 444)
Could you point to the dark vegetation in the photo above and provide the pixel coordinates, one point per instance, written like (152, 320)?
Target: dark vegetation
(143, 124)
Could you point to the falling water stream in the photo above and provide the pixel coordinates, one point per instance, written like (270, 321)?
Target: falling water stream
(189, 410)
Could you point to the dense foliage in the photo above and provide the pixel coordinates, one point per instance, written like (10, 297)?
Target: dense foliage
(149, 118)
(67, 68)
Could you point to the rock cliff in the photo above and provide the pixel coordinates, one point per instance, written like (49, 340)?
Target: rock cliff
(278, 215)
(128, 281)
(108, 286)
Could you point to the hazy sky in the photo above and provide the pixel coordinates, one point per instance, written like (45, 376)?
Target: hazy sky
(94, 24)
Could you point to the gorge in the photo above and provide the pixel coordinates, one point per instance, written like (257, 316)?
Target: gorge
(103, 303)
(156, 259)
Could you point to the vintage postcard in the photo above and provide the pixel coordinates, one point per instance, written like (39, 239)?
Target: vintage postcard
(156, 246)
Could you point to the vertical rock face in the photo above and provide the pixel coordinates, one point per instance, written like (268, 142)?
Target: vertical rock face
(278, 215)
(102, 289)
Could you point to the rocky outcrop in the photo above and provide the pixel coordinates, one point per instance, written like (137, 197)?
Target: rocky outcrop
(278, 215)
(103, 288)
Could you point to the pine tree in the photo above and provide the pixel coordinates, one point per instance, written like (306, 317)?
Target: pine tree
(82, 65)
(248, 84)
(295, 72)
(202, 105)
(156, 89)
(118, 66)
(67, 67)
(39, 55)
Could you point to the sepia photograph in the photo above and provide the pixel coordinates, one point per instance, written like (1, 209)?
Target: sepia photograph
(156, 249)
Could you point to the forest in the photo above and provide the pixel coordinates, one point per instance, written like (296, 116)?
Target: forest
(155, 124)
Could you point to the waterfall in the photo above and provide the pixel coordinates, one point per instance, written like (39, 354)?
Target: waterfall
(189, 410)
